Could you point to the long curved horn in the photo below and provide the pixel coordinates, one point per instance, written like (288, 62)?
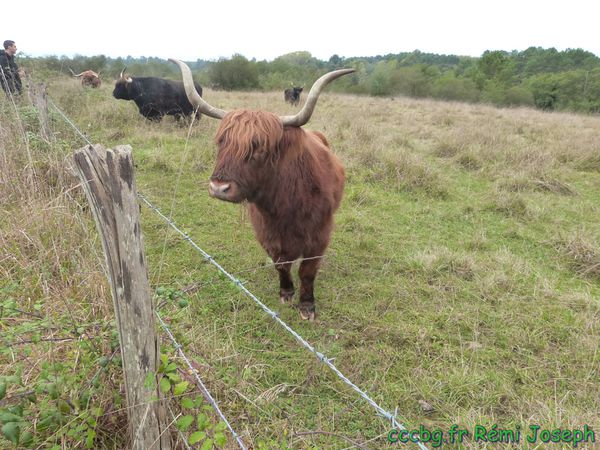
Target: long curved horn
(72, 73)
(304, 114)
(193, 96)
(122, 72)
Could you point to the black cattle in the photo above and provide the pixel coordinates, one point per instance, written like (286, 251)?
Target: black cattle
(292, 95)
(155, 97)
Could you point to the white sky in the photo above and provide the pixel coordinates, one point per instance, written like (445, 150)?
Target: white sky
(265, 29)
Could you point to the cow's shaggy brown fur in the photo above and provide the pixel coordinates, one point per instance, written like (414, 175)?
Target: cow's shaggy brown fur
(293, 184)
(90, 78)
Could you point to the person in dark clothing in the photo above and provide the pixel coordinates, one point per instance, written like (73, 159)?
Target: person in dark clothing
(9, 73)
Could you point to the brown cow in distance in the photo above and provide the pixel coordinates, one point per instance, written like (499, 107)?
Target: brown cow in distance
(89, 78)
(291, 180)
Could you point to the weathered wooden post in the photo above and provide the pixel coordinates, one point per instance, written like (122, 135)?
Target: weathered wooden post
(40, 102)
(107, 178)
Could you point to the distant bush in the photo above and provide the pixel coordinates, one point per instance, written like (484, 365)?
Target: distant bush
(449, 87)
(235, 73)
(493, 92)
(414, 81)
(518, 96)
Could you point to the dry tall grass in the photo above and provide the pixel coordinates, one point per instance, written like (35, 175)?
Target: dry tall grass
(55, 302)
(463, 272)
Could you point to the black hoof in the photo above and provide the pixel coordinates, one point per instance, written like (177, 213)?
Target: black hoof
(307, 311)
(286, 296)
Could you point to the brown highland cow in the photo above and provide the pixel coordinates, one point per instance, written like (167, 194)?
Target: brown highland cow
(289, 177)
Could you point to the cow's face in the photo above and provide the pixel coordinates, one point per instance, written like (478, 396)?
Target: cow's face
(122, 89)
(248, 145)
(90, 79)
(96, 82)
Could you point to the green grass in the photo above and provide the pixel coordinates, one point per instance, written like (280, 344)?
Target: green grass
(463, 270)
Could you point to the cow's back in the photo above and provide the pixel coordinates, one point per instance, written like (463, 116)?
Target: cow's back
(169, 96)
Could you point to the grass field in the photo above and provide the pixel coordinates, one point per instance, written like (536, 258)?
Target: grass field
(461, 285)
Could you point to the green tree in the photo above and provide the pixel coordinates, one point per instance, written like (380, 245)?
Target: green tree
(496, 65)
(493, 92)
(381, 78)
(450, 87)
(518, 96)
(335, 62)
(414, 81)
(545, 90)
(234, 73)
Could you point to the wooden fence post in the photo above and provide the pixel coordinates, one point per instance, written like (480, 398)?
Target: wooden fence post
(107, 178)
(38, 98)
(41, 104)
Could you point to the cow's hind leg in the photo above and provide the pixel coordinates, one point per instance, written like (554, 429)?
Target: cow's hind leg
(286, 285)
(308, 272)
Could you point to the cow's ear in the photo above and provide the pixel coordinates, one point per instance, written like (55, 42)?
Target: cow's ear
(129, 80)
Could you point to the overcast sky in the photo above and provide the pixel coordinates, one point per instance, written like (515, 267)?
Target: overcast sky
(204, 29)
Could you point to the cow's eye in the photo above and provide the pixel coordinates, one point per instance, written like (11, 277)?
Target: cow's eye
(257, 156)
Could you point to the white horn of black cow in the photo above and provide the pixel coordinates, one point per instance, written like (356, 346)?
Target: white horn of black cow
(303, 116)
(122, 72)
(193, 96)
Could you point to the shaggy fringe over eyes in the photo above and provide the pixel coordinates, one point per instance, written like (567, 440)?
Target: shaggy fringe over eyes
(242, 132)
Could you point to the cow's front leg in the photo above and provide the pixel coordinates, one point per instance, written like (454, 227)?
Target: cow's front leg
(308, 272)
(286, 285)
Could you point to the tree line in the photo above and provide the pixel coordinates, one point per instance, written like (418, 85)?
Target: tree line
(544, 78)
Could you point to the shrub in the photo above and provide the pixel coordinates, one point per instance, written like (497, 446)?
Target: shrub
(518, 96)
(234, 73)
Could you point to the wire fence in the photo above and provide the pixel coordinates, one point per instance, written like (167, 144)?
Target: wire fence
(327, 361)
(391, 417)
(205, 391)
(176, 345)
